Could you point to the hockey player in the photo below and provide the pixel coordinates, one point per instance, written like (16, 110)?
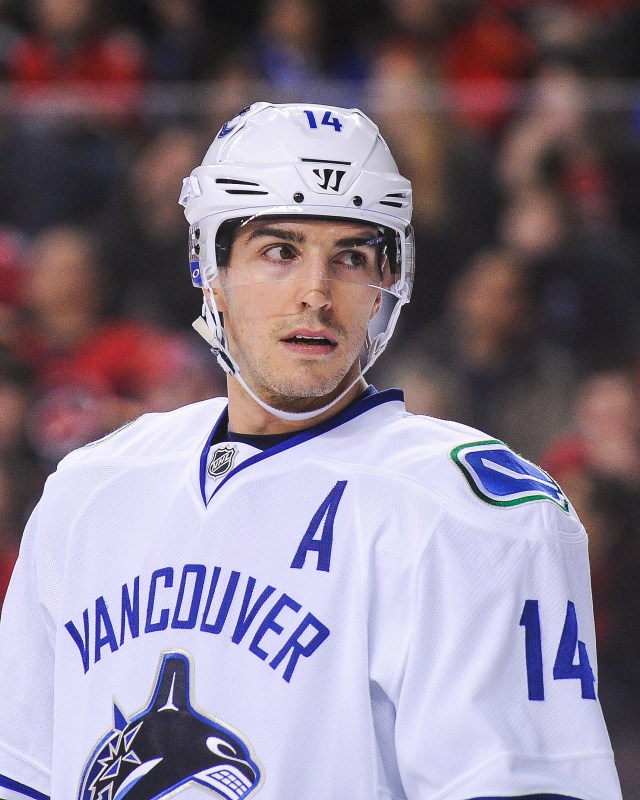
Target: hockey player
(304, 593)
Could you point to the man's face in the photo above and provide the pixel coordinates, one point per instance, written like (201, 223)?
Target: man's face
(297, 297)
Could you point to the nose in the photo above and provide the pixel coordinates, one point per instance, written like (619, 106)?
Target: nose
(314, 282)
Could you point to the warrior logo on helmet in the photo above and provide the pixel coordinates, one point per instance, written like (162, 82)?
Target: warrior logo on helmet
(326, 176)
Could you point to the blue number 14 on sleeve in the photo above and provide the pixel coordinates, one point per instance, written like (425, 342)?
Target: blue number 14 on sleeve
(564, 667)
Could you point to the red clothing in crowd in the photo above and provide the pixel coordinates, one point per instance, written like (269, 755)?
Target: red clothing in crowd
(7, 561)
(98, 383)
(483, 59)
(107, 71)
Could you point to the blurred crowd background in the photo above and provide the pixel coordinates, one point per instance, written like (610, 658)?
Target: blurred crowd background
(517, 121)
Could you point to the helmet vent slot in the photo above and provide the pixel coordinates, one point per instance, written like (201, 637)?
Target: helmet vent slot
(395, 199)
(238, 183)
(325, 161)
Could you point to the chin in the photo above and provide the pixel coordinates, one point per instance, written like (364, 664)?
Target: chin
(294, 396)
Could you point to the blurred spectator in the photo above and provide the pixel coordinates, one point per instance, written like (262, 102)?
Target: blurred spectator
(555, 118)
(587, 288)
(557, 140)
(8, 556)
(590, 160)
(12, 244)
(76, 83)
(478, 49)
(413, 31)
(290, 43)
(21, 480)
(70, 56)
(499, 374)
(456, 200)
(55, 174)
(485, 58)
(428, 388)
(426, 22)
(597, 462)
(17, 459)
(596, 34)
(606, 428)
(12, 249)
(178, 40)
(618, 46)
(16, 396)
(354, 29)
(234, 88)
(620, 152)
(145, 233)
(9, 36)
(93, 373)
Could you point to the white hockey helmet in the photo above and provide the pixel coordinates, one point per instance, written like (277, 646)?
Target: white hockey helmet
(298, 161)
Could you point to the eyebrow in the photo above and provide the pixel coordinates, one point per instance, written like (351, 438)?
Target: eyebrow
(357, 240)
(277, 233)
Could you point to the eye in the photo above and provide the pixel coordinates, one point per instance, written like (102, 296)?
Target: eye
(355, 259)
(280, 252)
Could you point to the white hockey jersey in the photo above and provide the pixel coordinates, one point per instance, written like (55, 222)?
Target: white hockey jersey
(385, 606)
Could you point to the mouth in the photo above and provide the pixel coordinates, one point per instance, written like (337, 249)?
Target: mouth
(310, 342)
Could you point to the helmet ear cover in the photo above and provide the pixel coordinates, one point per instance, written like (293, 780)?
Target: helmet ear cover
(226, 234)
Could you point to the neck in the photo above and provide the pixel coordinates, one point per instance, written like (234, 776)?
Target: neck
(248, 417)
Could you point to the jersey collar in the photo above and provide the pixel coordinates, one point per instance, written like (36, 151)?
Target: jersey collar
(366, 403)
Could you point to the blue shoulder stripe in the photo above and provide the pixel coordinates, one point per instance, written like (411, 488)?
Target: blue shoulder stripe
(27, 791)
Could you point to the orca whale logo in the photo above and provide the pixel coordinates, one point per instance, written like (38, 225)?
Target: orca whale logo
(168, 746)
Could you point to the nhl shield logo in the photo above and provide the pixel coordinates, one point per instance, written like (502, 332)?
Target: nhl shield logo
(221, 460)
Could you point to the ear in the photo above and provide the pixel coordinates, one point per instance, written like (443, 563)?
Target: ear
(217, 295)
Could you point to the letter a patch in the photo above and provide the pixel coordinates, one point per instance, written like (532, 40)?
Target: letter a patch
(323, 545)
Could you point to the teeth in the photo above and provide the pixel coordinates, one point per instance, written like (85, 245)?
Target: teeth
(312, 338)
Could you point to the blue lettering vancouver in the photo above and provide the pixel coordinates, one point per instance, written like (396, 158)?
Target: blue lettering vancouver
(273, 626)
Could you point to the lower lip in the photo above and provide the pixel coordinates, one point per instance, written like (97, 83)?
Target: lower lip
(309, 349)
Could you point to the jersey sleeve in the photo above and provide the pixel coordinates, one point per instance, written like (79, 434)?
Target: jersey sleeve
(498, 693)
(26, 678)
